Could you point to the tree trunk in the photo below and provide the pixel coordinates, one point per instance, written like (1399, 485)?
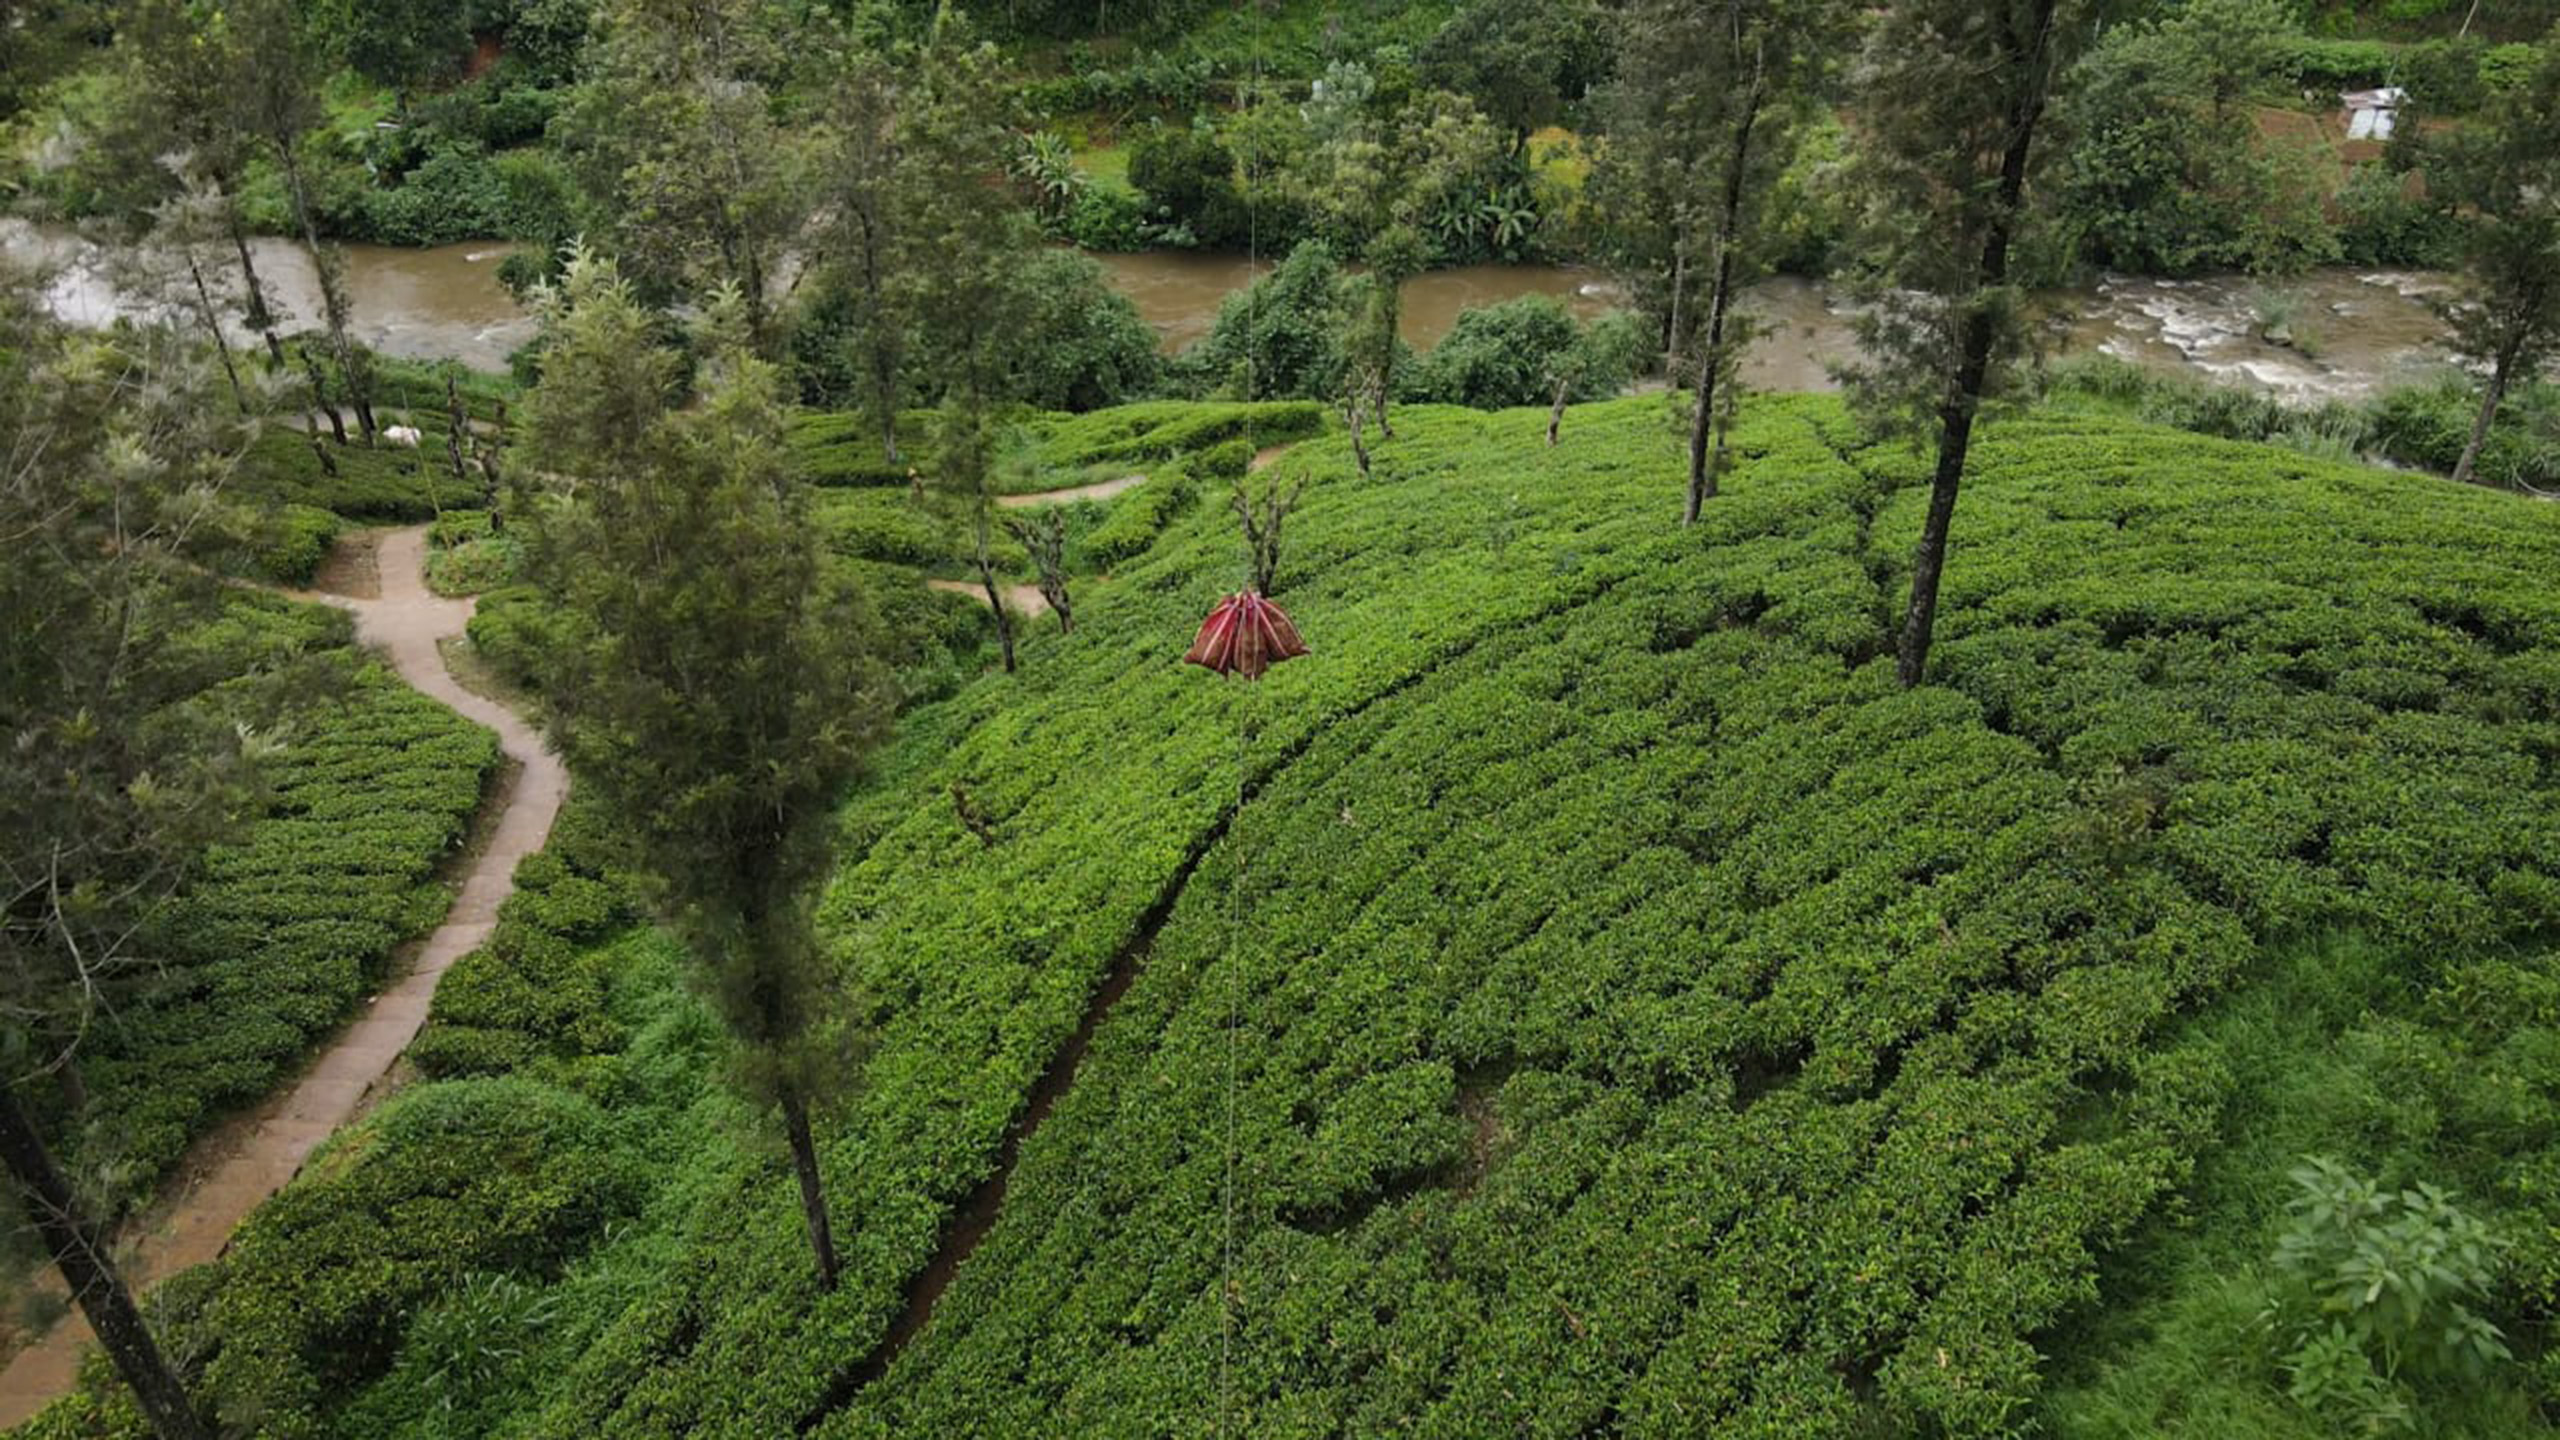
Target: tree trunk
(260, 318)
(987, 577)
(213, 326)
(1390, 303)
(1674, 343)
(2489, 401)
(1973, 365)
(1351, 417)
(485, 452)
(813, 1200)
(333, 300)
(70, 1240)
(1702, 476)
(1555, 412)
(457, 424)
(321, 404)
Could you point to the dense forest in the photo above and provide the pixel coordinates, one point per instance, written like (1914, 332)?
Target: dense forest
(1907, 783)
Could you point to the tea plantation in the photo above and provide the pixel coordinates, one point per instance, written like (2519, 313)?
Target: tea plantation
(286, 927)
(1586, 996)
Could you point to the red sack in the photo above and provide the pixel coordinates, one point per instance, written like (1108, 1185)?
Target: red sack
(1245, 635)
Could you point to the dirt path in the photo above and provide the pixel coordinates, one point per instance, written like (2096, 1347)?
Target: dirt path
(1100, 490)
(1025, 598)
(230, 1171)
(1262, 458)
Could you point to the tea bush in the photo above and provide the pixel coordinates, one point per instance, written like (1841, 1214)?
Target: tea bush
(1643, 1009)
(1631, 1010)
(292, 542)
(390, 483)
(286, 928)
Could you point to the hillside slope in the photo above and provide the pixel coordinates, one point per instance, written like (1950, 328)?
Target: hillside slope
(1586, 995)
(1640, 1013)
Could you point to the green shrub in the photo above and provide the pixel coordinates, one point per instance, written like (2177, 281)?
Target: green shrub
(456, 195)
(2381, 223)
(886, 525)
(1187, 180)
(508, 629)
(1139, 515)
(1111, 218)
(1071, 341)
(2428, 426)
(2376, 1286)
(1141, 433)
(390, 482)
(1287, 324)
(314, 1297)
(2319, 64)
(292, 542)
(474, 565)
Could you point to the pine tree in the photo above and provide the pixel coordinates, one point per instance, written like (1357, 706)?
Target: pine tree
(1703, 115)
(714, 683)
(1951, 97)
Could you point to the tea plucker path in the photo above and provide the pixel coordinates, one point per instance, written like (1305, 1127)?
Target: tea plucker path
(243, 1163)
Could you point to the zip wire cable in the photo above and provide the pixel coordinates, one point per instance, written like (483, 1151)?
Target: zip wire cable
(1244, 744)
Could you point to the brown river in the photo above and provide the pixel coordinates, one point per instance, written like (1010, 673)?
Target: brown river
(2353, 332)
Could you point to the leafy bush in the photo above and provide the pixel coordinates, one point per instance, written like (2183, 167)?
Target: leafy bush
(1106, 217)
(474, 565)
(2322, 64)
(886, 525)
(1187, 180)
(533, 999)
(390, 482)
(509, 629)
(834, 448)
(1495, 356)
(1166, 429)
(454, 194)
(2377, 1284)
(1138, 516)
(292, 541)
(1287, 324)
(1512, 353)
(1072, 341)
(2381, 223)
(315, 1295)
(2428, 425)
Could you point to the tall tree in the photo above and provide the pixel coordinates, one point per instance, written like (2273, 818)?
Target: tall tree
(111, 781)
(273, 83)
(2502, 177)
(2169, 171)
(857, 190)
(1703, 114)
(963, 237)
(1521, 61)
(177, 127)
(714, 682)
(696, 177)
(1380, 184)
(1952, 94)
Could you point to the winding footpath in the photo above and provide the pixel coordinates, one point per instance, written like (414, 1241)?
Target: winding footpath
(240, 1164)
